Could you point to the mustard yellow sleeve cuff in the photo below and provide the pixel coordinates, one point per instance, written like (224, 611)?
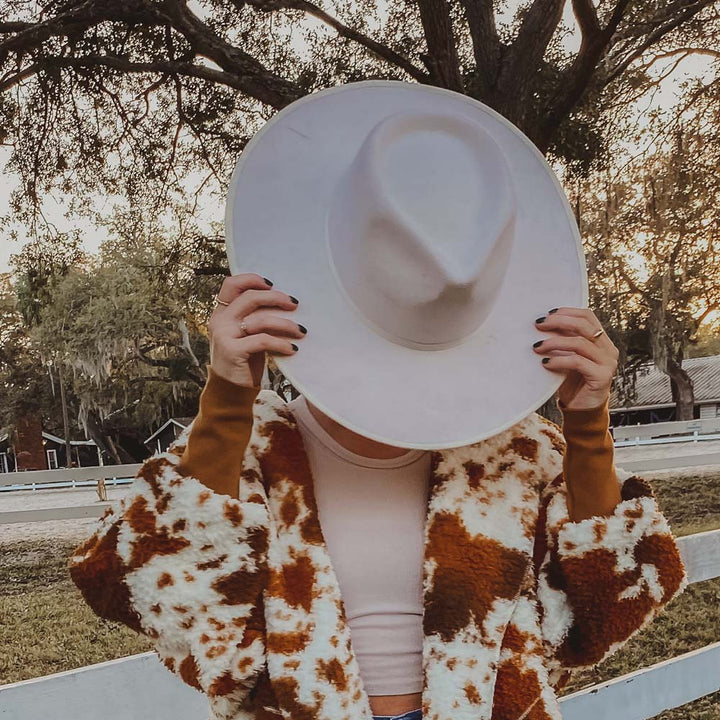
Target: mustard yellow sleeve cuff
(588, 464)
(224, 399)
(585, 424)
(219, 434)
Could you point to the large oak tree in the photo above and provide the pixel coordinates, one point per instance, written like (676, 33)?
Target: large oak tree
(130, 96)
(153, 100)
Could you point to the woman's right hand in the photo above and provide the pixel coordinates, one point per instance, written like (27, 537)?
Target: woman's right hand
(239, 357)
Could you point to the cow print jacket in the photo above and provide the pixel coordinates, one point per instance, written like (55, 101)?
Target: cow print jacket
(241, 601)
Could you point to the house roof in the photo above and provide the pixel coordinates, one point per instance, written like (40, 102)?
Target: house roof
(55, 438)
(181, 422)
(61, 441)
(653, 386)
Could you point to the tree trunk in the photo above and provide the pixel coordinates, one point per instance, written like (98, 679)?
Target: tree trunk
(682, 391)
(96, 433)
(120, 452)
(550, 410)
(66, 423)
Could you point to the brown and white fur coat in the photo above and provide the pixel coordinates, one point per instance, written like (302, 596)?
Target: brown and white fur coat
(241, 601)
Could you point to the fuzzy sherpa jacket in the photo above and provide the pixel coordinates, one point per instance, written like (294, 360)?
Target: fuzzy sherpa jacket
(241, 601)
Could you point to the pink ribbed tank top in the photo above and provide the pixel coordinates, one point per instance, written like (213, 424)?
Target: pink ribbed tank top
(372, 514)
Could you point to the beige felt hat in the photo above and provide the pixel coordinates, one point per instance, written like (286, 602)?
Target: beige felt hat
(422, 234)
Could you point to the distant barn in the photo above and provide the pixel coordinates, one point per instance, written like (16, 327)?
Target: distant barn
(653, 402)
(83, 453)
(160, 440)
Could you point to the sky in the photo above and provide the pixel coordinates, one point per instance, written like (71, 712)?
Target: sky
(54, 211)
(692, 67)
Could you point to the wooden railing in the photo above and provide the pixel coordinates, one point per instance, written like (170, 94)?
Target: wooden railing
(43, 477)
(139, 686)
(667, 432)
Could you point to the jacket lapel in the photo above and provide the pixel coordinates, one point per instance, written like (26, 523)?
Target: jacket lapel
(478, 550)
(311, 663)
(478, 547)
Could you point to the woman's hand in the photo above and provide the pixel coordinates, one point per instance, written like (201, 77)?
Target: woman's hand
(590, 363)
(242, 331)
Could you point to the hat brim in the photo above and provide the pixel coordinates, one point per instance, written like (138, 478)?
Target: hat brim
(275, 225)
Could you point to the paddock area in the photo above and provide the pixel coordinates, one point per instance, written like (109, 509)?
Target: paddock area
(55, 653)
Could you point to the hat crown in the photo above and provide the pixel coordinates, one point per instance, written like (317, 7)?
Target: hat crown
(421, 227)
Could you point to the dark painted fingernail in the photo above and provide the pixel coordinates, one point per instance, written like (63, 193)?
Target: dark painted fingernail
(540, 319)
(303, 329)
(295, 300)
(538, 343)
(267, 281)
(545, 360)
(294, 347)
(550, 312)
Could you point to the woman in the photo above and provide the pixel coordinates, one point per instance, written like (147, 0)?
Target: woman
(372, 501)
(237, 356)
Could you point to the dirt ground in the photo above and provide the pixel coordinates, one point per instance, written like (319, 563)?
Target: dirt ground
(60, 498)
(666, 450)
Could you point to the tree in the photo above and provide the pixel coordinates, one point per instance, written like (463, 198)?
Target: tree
(130, 343)
(29, 390)
(131, 96)
(23, 381)
(153, 100)
(653, 234)
(708, 342)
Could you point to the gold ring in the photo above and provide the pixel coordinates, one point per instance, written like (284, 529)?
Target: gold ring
(597, 334)
(218, 300)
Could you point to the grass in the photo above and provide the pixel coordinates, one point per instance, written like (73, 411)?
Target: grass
(689, 622)
(46, 627)
(691, 503)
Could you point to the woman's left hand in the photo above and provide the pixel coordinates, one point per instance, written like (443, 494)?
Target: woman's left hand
(590, 363)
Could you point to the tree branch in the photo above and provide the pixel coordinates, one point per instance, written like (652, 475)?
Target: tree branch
(8, 82)
(524, 57)
(480, 18)
(183, 69)
(14, 26)
(377, 48)
(31, 35)
(211, 270)
(253, 78)
(655, 36)
(241, 70)
(442, 60)
(576, 79)
(587, 18)
(709, 309)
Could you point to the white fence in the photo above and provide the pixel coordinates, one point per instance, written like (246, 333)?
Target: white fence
(667, 432)
(668, 463)
(76, 477)
(139, 687)
(88, 476)
(688, 431)
(31, 479)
